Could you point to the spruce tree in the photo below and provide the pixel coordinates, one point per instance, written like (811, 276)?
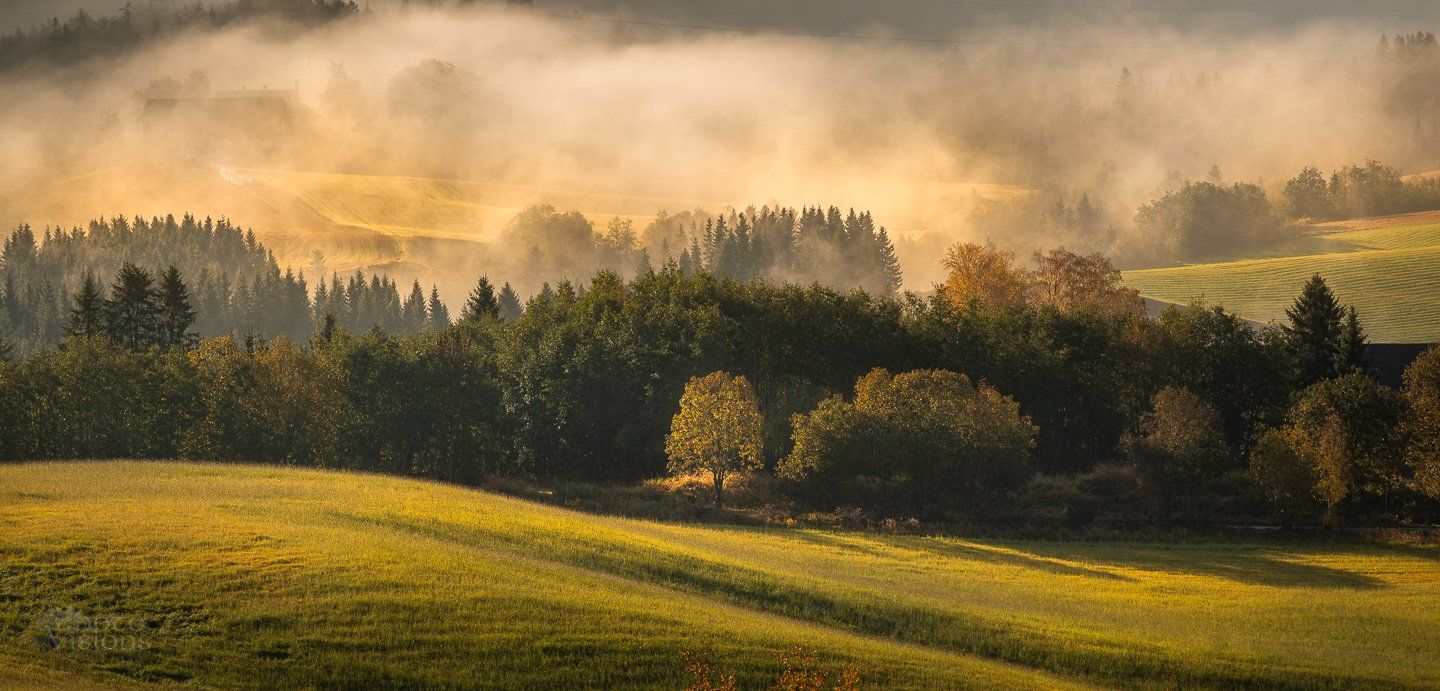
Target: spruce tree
(482, 303)
(439, 313)
(1351, 356)
(413, 312)
(1313, 334)
(327, 331)
(510, 309)
(175, 315)
(131, 313)
(891, 278)
(642, 266)
(87, 317)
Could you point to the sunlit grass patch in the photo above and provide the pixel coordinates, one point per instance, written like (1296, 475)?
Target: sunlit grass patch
(1386, 267)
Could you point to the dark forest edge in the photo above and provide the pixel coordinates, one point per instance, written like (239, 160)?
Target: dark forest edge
(1010, 396)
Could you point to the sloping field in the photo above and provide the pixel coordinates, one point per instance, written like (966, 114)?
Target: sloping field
(446, 209)
(358, 220)
(238, 575)
(1389, 268)
(282, 221)
(414, 226)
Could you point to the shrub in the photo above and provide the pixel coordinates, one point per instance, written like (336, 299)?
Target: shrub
(926, 440)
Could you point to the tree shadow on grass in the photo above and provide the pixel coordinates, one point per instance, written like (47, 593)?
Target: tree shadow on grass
(1250, 565)
(1004, 556)
(1429, 552)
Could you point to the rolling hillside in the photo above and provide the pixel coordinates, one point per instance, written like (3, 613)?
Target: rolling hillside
(226, 575)
(427, 227)
(359, 220)
(1389, 268)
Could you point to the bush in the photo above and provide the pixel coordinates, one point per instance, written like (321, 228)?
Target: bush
(923, 441)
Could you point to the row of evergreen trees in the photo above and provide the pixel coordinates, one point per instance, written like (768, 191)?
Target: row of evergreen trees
(139, 312)
(84, 36)
(231, 282)
(812, 245)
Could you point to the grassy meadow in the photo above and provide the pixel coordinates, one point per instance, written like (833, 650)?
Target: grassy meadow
(1385, 266)
(240, 575)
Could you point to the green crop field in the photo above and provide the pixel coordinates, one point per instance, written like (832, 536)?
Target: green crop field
(1389, 268)
(238, 575)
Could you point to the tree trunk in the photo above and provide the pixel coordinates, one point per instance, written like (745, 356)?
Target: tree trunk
(719, 489)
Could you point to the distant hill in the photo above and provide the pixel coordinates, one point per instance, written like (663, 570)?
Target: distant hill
(1388, 267)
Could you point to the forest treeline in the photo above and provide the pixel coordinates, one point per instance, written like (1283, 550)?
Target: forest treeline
(231, 280)
(237, 288)
(828, 246)
(83, 36)
(1204, 218)
(1012, 393)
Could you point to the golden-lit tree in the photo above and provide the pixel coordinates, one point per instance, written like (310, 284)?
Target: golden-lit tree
(719, 429)
(984, 275)
(1068, 281)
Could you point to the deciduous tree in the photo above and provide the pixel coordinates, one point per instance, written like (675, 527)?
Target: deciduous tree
(985, 276)
(718, 430)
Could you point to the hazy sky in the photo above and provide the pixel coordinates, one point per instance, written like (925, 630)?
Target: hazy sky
(917, 18)
(1024, 96)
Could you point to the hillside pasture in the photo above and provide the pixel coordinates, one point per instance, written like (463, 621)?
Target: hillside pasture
(276, 577)
(1387, 267)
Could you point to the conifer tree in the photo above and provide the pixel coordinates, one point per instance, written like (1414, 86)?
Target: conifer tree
(87, 317)
(643, 267)
(327, 331)
(413, 312)
(439, 313)
(891, 278)
(1351, 356)
(510, 309)
(131, 313)
(175, 314)
(1313, 334)
(482, 303)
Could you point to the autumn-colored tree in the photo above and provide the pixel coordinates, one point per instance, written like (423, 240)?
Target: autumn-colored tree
(719, 429)
(1073, 282)
(984, 275)
(1348, 433)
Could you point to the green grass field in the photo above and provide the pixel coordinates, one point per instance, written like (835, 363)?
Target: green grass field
(238, 575)
(1389, 268)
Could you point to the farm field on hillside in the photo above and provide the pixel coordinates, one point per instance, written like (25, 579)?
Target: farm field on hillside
(1389, 268)
(378, 221)
(274, 576)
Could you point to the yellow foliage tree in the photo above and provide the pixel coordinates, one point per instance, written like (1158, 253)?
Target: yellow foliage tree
(984, 275)
(718, 429)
